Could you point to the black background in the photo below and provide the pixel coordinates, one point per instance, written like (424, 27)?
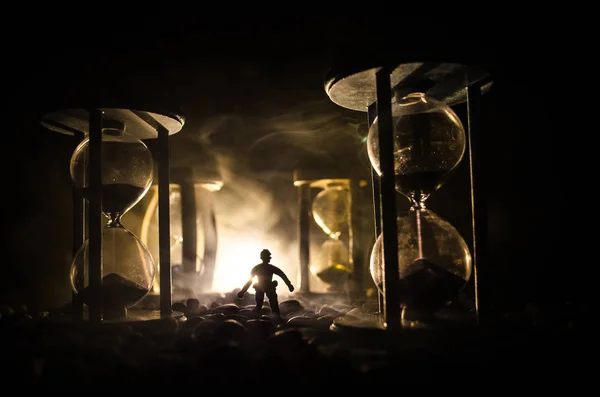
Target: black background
(265, 67)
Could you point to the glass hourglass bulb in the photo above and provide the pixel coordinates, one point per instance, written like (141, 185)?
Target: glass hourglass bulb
(330, 209)
(332, 264)
(434, 261)
(127, 271)
(127, 169)
(128, 268)
(429, 143)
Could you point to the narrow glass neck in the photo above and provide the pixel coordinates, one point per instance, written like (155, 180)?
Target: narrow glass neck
(335, 235)
(114, 219)
(418, 203)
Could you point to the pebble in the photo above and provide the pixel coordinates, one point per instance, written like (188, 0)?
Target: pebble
(231, 331)
(229, 308)
(192, 322)
(205, 330)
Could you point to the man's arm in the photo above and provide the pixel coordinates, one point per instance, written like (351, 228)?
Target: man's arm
(246, 286)
(285, 279)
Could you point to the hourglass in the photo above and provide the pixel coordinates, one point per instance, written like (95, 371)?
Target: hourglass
(434, 261)
(111, 170)
(331, 211)
(127, 265)
(419, 261)
(194, 236)
(338, 262)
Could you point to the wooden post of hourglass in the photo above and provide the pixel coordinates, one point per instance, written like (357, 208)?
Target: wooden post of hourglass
(164, 221)
(303, 235)
(478, 190)
(95, 214)
(389, 229)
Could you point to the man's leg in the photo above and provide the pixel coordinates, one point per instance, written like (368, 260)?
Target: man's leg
(273, 302)
(260, 299)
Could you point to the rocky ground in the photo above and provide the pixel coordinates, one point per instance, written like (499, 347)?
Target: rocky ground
(225, 344)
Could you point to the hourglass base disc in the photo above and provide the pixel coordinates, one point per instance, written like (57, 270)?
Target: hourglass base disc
(137, 315)
(373, 323)
(359, 320)
(141, 124)
(140, 315)
(321, 297)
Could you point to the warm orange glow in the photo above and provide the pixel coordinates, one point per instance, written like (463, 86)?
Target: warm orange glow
(243, 232)
(236, 259)
(238, 254)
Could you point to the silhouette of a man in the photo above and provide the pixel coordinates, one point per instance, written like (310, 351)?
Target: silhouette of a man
(265, 284)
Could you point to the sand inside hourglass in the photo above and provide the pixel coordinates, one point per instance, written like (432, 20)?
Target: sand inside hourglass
(333, 265)
(335, 274)
(118, 197)
(430, 286)
(117, 294)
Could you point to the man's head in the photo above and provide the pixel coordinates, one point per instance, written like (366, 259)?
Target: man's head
(265, 255)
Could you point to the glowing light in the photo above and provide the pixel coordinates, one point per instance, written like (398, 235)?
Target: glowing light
(245, 227)
(213, 186)
(238, 253)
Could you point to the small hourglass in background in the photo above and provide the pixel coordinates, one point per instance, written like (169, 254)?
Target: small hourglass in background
(128, 268)
(333, 263)
(331, 211)
(434, 260)
(193, 229)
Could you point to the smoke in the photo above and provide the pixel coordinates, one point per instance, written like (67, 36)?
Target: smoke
(256, 156)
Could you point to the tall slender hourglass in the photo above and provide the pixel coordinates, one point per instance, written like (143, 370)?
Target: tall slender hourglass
(434, 260)
(331, 209)
(127, 265)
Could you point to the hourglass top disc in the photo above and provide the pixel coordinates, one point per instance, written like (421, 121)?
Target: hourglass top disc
(322, 178)
(141, 124)
(354, 88)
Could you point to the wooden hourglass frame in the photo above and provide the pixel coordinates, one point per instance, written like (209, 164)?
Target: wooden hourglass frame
(85, 123)
(193, 221)
(368, 86)
(307, 181)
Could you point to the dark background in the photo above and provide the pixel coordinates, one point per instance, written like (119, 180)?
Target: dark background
(242, 83)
